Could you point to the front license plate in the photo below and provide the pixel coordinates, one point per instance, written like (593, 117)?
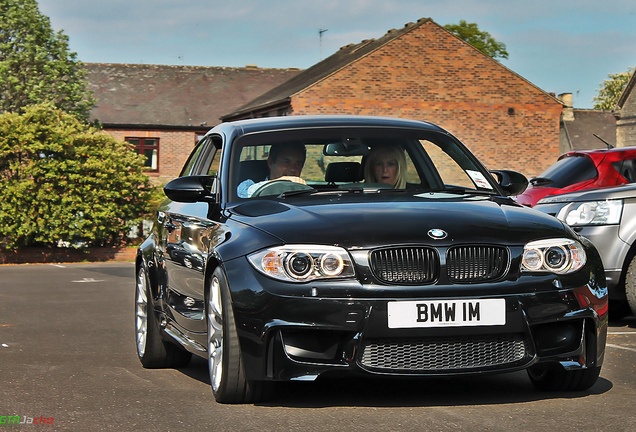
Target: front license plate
(447, 313)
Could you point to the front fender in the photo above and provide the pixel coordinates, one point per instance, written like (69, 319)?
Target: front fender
(147, 255)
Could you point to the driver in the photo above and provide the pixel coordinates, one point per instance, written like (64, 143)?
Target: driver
(285, 162)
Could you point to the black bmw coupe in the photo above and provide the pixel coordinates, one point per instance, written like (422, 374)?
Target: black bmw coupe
(303, 247)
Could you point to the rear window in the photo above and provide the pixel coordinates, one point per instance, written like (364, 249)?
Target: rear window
(627, 169)
(568, 171)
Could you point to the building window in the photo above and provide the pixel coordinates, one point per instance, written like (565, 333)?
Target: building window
(149, 147)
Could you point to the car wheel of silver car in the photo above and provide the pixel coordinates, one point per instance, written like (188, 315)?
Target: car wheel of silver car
(225, 362)
(630, 285)
(553, 377)
(152, 350)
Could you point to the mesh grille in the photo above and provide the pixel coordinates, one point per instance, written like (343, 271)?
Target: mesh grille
(409, 265)
(444, 354)
(476, 263)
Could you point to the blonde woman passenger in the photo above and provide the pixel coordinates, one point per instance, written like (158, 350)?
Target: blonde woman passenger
(386, 164)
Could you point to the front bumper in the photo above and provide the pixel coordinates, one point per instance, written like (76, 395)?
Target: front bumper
(302, 331)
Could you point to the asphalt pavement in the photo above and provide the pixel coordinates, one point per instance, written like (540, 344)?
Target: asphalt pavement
(68, 363)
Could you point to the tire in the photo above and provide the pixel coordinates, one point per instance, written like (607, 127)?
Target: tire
(630, 285)
(556, 378)
(225, 362)
(152, 350)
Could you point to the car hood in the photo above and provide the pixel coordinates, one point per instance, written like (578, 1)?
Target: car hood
(358, 223)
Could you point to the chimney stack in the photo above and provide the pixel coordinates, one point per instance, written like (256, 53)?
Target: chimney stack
(568, 110)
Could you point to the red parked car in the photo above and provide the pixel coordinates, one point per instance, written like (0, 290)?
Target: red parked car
(582, 169)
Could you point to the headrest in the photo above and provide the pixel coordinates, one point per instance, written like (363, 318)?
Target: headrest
(343, 172)
(256, 170)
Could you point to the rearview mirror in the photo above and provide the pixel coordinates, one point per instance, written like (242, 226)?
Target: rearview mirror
(347, 147)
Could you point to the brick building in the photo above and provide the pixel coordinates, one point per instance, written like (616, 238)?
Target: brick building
(163, 110)
(424, 72)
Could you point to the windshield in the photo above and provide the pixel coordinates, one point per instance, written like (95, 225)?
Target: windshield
(361, 160)
(568, 171)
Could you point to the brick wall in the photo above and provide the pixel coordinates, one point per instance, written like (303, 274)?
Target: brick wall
(41, 255)
(174, 149)
(428, 74)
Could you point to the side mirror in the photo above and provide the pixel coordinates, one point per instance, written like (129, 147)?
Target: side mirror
(512, 182)
(190, 189)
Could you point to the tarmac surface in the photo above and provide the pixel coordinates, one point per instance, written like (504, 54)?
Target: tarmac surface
(68, 363)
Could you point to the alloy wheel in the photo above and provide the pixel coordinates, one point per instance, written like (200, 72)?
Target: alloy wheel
(215, 334)
(141, 312)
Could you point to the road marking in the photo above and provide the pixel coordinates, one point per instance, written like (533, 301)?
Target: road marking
(88, 280)
(7, 325)
(621, 333)
(621, 347)
(58, 265)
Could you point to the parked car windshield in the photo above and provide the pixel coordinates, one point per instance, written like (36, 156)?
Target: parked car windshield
(354, 159)
(568, 171)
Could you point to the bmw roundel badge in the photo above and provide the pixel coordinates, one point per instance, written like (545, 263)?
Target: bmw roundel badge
(437, 234)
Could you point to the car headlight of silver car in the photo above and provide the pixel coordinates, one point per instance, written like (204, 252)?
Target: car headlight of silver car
(302, 263)
(592, 213)
(560, 256)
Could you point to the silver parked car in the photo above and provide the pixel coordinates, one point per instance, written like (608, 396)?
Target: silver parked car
(606, 216)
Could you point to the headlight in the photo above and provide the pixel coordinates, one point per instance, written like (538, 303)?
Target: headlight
(592, 213)
(302, 263)
(559, 256)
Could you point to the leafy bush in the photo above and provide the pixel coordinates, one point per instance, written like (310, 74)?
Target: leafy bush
(63, 181)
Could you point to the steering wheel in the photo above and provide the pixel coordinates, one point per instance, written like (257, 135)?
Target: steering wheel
(277, 187)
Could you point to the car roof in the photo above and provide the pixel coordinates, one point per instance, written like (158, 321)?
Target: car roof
(242, 127)
(601, 151)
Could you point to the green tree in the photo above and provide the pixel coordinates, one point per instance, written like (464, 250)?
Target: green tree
(481, 40)
(62, 181)
(611, 90)
(35, 63)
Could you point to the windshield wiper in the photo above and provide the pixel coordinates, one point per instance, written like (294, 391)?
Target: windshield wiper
(328, 191)
(461, 190)
(297, 192)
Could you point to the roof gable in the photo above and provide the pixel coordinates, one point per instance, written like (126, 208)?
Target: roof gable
(589, 128)
(174, 96)
(345, 56)
(431, 39)
(627, 92)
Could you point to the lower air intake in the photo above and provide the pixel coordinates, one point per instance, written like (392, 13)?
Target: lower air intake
(444, 354)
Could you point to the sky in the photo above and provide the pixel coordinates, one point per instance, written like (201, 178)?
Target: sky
(561, 46)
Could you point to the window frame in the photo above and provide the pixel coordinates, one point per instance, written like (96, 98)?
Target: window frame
(141, 147)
